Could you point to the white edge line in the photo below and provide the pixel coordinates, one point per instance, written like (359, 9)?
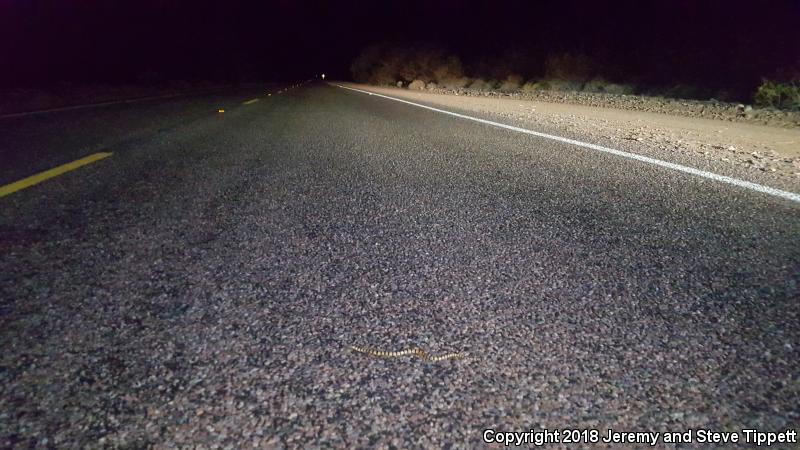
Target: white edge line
(690, 170)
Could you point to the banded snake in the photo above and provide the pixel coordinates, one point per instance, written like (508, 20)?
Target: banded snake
(418, 352)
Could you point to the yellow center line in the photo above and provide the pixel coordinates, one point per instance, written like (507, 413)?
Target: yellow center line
(250, 102)
(47, 174)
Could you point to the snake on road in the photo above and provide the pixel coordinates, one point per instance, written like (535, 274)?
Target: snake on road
(418, 352)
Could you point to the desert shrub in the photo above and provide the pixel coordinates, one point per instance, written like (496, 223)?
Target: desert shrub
(480, 84)
(378, 64)
(603, 86)
(431, 64)
(418, 64)
(568, 67)
(620, 89)
(389, 63)
(778, 95)
(382, 75)
(565, 85)
(511, 60)
(595, 85)
(511, 83)
(417, 85)
(448, 68)
(531, 86)
(431, 86)
(454, 83)
(552, 85)
(559, 85)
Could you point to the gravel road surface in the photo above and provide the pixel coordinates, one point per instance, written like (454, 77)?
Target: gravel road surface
(202, 285)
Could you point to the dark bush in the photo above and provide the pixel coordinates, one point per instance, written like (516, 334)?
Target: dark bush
(387, 64)
(512, 82)
(567, 67)
(778, 95)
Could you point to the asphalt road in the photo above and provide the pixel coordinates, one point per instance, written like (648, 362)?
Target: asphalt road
(203, 284)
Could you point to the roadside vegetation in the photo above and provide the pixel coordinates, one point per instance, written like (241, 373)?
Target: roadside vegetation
(771, 94)
(430, 67)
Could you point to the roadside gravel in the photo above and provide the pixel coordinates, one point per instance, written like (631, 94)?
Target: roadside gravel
(760, 151)
(706, 109)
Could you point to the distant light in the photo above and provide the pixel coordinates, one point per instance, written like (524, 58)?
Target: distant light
(220, 110)
(323, 76)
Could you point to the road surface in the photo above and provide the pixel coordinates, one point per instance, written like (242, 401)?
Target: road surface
(203, 284)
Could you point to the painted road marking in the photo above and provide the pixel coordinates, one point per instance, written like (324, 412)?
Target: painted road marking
(690, 170)
(250, 102)
(47, 174)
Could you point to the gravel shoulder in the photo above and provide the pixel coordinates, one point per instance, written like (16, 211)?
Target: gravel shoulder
(764, 153)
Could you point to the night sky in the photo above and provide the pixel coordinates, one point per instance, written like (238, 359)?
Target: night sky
(726, 44)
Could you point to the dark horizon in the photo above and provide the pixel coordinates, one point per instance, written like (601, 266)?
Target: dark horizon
(717, 44)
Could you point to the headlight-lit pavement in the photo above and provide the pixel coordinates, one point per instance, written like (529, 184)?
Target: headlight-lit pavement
(203, 285)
